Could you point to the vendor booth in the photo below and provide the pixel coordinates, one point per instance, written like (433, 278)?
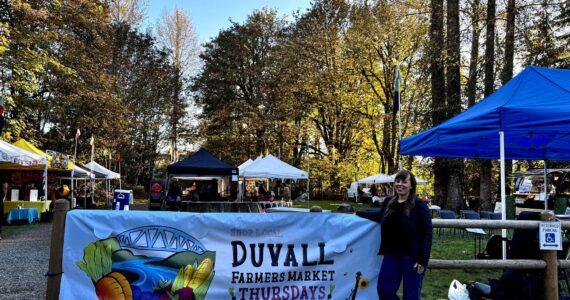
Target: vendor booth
(203, 166)
(274, 168)
(103, 173)
(54, 162)
(202, 177)
(58, 165)
(526, 119)
(25, 171)
(269, 167)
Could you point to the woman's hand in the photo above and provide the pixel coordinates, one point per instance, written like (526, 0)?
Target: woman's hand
(419, 268)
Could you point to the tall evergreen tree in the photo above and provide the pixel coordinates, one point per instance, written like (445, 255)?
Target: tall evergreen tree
(238, 88)
(456, 166)
(438, 96)
(489, 87)
(471, 90)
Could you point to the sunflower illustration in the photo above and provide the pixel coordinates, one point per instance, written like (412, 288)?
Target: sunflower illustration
(363, 283)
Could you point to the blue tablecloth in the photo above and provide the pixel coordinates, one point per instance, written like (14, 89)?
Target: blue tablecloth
(30, 214)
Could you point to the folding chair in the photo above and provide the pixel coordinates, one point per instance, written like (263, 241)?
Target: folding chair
(485, 215)
(470, 215)
(494, 216)
(446, 214)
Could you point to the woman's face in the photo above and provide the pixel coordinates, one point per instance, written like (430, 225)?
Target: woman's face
(403, 187)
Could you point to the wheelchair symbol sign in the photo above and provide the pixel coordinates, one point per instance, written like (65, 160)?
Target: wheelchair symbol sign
(550, 236)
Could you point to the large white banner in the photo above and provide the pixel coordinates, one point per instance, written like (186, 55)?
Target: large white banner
(238, 256)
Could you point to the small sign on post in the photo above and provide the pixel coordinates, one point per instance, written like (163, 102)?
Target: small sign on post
(550, 236)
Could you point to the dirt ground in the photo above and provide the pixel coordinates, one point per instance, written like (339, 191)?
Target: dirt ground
(24, 259)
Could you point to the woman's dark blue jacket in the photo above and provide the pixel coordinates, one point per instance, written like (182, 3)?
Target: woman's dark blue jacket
(421, 233)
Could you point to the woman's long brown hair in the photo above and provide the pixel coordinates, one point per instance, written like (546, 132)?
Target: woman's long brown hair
(410, 202)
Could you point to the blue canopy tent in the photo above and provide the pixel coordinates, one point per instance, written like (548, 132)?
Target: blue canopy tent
(202, 163)
(203, 166)
(532, 110)
(528, 118)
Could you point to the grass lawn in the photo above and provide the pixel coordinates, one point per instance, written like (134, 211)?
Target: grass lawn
(448, 246)
(445, 246)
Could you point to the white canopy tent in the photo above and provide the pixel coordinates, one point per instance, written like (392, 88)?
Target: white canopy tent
(245, 165)
(273, 168)
(376, 178)
(13, 157)
(100, 169)
(241, 168)
(418, 180)
(108, 175)
(80, 173)
(249, 163)
(383, 178)
(16, 155)
(269, 167)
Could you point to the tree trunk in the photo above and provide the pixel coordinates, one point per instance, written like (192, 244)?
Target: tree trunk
(438, 106)
(441, 178)
(455, 185)
(474, 61)
(507, 72)
(485, 165)
(456, 166)
(490, 49)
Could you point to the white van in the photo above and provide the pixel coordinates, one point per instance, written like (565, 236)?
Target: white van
(352, 192)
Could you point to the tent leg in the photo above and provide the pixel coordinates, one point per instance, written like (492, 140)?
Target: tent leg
(545, 187)
(503, 192)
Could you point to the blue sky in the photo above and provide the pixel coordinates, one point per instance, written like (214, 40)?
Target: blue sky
(210, 16)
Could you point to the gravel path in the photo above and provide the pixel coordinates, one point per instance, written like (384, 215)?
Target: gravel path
(24, 259)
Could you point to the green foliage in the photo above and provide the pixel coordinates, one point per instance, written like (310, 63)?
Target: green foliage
(317, 90)
(4, 35)
(144, 81)
(66, 67)
(243, 102)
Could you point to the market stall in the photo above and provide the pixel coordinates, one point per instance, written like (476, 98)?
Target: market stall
(14, 162)
(58, 165)
(103, 173)
(271, 167)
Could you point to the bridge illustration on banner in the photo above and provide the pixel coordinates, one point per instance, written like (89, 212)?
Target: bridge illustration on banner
(159, 238)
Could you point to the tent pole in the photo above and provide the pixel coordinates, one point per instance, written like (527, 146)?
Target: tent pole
(120, 185)
(545, 187)
(73, 170)
(503, 192)
(45, 182)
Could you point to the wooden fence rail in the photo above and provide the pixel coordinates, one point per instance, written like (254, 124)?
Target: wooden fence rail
(494, 224)
(549, 263)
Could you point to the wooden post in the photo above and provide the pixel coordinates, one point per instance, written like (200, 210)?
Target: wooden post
(551, 271)
(56, 249)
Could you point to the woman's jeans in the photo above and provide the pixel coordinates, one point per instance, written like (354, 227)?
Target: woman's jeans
(395, 268)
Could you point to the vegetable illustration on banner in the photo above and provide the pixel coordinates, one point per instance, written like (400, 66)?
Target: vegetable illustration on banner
(119, 270)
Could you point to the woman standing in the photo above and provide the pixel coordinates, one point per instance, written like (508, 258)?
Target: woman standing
(406, 234)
